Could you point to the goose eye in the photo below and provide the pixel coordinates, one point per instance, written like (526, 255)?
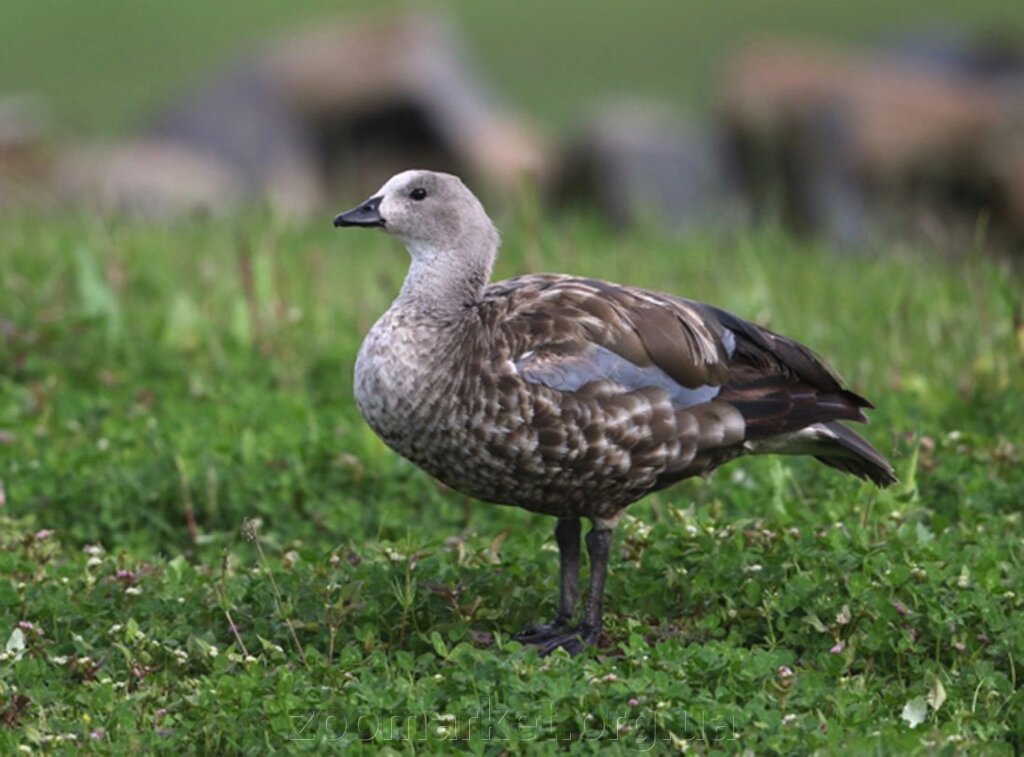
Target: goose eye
(418, 194)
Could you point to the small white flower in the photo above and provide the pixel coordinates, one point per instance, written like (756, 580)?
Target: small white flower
(133, 590)
(115, 628)
(93, 549)
(59, 660)
(637, 528)
(92, 562)
(755, 568)
(964, 579)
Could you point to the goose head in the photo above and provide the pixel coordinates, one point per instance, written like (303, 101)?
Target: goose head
(449, 236)
(424, 209)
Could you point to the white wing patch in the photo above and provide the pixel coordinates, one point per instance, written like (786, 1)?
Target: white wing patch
(570, 373)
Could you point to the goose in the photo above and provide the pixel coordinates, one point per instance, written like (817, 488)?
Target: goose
(574, 397)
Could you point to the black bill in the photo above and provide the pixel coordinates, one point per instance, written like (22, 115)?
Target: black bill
(366, 214)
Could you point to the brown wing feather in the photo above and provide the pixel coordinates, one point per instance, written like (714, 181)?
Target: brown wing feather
(645, 328)
(777, 384)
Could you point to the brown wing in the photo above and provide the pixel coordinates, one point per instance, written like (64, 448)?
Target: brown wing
(566, 315)
(567, 333)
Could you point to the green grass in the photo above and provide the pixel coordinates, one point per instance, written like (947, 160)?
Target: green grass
(149, 376)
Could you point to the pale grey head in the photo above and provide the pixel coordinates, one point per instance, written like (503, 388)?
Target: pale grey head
(451, 240)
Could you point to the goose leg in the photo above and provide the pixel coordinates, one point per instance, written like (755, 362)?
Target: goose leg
(574, 640)
(567, 536)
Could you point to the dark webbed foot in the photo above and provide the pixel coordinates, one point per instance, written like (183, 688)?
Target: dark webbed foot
(572, 640)
(539, 633)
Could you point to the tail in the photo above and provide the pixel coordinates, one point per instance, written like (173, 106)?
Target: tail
(845, 449)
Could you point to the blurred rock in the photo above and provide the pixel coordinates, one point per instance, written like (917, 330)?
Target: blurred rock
(404, 84)
(950, 51)
(342, 107)
(1004, 159)
(24, 157)
(898, 115)
(638, 162)
(246, 130)
(297, 124)
(855, 138)
(820, 189)
(149, 179)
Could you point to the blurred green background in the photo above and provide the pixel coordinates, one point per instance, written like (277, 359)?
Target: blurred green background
(106, 64)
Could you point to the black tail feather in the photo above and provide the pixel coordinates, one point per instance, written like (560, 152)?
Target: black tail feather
(855, 455)
(773, 405)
